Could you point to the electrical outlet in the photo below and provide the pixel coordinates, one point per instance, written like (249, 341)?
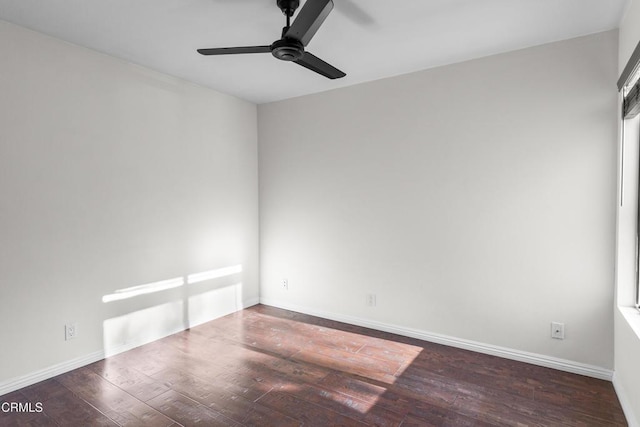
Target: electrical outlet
(285, 284)
(557, 330)
(70, 331)
(371, 300)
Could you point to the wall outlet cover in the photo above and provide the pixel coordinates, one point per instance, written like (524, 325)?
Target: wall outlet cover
(557, 330)
(70, 331)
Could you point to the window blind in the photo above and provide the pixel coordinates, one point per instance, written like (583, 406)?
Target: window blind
(629, 84)
(631, 103)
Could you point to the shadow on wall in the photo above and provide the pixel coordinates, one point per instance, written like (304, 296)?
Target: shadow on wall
(218, 292)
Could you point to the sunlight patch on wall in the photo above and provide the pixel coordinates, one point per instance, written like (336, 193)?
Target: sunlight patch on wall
(192, 306)
(214, 303)
(148, 288)
(213, 274)
(141, 327)
(163, 285)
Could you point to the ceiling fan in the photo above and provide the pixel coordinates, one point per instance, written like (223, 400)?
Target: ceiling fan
(295, 36)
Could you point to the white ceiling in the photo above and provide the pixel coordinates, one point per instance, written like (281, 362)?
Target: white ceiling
(367, 39)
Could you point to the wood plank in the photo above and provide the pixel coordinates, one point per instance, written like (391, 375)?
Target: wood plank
(112, 401)
(307, 413)
(64, 407)
(233, 401)
(463, 376)
(34, 416)
(601, 404)
(200, 388)
(366, 411)
(125, 376)
(423, 413)
(501, 408)
(347, 362)
(259, 416)
(188, 412)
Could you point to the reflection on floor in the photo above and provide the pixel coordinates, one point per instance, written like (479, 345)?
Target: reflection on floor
(269, 367)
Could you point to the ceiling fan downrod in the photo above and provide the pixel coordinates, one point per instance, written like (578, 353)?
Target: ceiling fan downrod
(287, 49)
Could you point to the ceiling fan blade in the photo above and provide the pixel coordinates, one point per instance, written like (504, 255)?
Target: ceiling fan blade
(234, 50)
(309, 19)
(316, 64)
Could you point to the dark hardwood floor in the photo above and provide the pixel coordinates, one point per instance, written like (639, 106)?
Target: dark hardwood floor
(269, 367)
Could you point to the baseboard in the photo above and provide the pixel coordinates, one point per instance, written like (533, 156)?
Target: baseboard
(507, 353)
(627, 408)
(69, 365)
(49, 372)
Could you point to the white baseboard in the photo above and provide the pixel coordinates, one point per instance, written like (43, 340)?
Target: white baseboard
(627, 408)
(49, 372)
(507, 353)
(69, 365)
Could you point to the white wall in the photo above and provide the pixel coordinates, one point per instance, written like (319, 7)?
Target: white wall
(476, 200)
(627, 319)
(113, 176)
(629, 33)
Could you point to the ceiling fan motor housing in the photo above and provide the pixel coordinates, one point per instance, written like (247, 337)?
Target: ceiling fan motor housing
(287, 49)
(288, 7)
